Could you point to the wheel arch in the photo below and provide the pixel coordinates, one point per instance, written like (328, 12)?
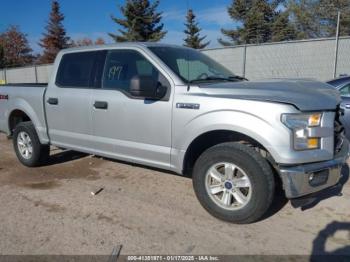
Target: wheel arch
(21, 111)
(15, 117)
(213, 137)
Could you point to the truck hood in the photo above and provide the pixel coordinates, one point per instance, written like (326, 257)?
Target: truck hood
(305, 95)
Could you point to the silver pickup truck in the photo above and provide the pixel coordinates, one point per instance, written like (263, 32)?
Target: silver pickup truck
(176, 109)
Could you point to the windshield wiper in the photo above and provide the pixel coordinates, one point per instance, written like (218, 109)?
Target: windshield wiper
(238, 78)
(212, 78)
(218, 78)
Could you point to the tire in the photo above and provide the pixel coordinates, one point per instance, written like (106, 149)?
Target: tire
(248, 184)
(30, 152)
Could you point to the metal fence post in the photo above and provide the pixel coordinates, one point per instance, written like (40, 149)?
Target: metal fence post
(36, 74)
(5, 76)
(336, 47)
(244, 59)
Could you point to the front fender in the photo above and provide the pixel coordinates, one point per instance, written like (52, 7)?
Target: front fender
(269, 132)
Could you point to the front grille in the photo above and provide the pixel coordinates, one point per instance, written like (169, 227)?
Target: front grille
(339, 130)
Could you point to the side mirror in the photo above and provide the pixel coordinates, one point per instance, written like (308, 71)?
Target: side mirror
(147, 87)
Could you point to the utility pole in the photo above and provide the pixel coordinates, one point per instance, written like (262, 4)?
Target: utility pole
(336, 47)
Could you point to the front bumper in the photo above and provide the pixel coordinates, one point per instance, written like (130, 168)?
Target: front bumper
(306, 179)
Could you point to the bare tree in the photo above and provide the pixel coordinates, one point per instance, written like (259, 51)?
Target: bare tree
(15, 48)
(100, 41)
(88, 42)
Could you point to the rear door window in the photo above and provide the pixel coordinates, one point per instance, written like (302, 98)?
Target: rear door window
(76, 69)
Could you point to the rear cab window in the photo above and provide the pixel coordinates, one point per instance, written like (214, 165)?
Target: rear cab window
(80, 69)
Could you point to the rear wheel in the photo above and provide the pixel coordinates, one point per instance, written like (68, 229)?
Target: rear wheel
(30, 152)
(233, 182)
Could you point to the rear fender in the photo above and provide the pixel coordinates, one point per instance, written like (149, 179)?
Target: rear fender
(25, 107)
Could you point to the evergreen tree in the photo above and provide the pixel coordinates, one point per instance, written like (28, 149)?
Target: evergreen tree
(282, 29)
(260, 22)
(327, 11)
(141, 22)
(15, 48)
(314, 19)
(55, 37)
(193, 38)
(303, 14)
(256, 17)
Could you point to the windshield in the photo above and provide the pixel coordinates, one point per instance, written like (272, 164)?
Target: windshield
(193, 66)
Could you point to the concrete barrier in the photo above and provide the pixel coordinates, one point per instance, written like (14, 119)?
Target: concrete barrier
(295, 59)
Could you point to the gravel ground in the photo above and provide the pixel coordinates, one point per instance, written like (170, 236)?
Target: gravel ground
(50, 210)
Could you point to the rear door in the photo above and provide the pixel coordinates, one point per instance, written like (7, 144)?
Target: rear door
(68, 101)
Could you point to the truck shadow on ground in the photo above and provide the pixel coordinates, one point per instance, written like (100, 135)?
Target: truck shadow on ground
(279, 201)
(65, 156)
(341, 254)
(59, 157)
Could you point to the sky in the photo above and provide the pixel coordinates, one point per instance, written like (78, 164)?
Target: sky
(92, 18)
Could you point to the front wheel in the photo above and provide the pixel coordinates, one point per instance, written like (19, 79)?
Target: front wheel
(30, 152)
(233, 182)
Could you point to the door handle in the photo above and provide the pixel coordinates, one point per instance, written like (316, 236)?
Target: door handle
(100, 105)
(52, 101)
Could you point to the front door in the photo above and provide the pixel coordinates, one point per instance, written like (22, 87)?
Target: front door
(126, 127)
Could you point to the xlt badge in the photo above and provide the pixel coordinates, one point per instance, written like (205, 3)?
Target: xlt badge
(187, 105)
(4, 97)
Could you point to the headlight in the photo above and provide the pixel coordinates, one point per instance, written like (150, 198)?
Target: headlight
(300, 124)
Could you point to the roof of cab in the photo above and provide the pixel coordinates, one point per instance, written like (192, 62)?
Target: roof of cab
(116, 45)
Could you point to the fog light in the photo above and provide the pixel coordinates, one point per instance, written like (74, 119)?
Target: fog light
(311, 177)
(318, 178)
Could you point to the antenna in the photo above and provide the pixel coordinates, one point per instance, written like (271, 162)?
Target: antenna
(188, 55)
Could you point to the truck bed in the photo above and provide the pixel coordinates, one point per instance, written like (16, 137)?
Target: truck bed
(27, 98)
